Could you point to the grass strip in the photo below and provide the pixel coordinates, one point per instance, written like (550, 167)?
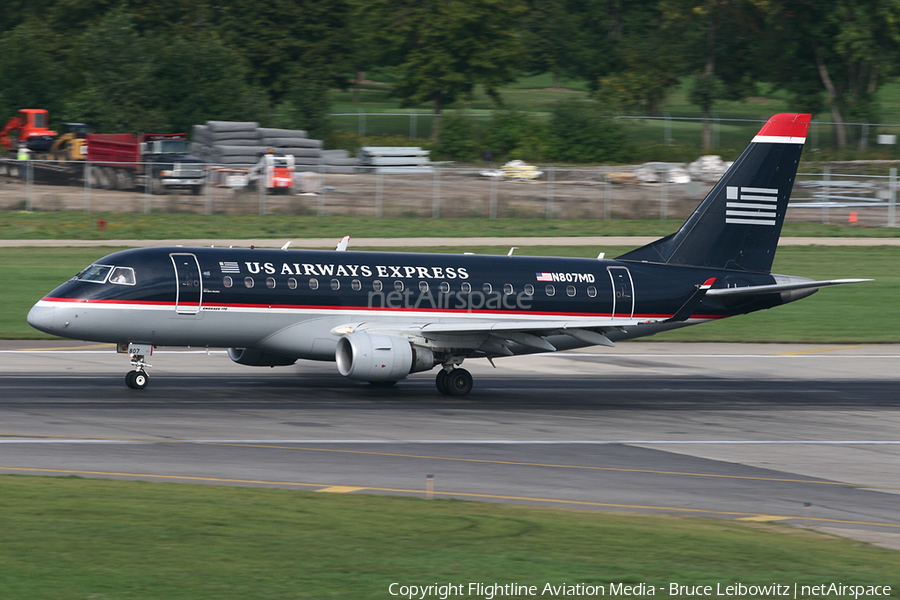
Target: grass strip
(83, 226)
(79, 538)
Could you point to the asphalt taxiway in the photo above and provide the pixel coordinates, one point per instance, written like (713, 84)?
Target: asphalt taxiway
(798, 434)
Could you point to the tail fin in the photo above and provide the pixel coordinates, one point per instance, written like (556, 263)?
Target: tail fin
(737, 225)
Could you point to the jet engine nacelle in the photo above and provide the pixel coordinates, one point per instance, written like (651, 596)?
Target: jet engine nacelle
(378, 357)
(255, 358)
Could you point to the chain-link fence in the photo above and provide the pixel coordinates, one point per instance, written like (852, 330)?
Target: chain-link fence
(667, 130)
(654, 191)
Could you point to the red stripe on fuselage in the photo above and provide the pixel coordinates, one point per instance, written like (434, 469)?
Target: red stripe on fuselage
(300, 307)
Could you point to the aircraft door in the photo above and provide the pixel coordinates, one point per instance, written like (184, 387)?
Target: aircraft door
(623, 292)
(189, 284)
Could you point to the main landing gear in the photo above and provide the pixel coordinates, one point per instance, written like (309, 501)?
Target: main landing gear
(454, 382)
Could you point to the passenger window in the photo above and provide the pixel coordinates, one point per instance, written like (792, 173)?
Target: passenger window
(529, 289)
(423, 287)
(592, 291)
(292, 283)
(270, 283)
(122, 276)
(335, 284)
(570, 290)
(227, 281)
(398, 285)
(313, 283)
(445, 287)
(508, 289)
(355, 285)
(466, 287)
(487, 288)
(377, 286)
(550, 290)
(248, 282)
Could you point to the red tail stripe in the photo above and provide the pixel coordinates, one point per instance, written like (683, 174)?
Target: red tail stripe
(787, 125)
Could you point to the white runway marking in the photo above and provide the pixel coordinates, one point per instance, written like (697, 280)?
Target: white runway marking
(40, 440)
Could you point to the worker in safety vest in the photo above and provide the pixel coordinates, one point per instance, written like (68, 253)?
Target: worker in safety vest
(23, 157)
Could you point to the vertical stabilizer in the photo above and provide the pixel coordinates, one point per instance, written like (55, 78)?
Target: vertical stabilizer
(737, 225)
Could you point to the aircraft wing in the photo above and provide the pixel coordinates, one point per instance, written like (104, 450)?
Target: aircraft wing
(491, 336)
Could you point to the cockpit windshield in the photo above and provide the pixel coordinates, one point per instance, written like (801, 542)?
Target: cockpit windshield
(95, 273)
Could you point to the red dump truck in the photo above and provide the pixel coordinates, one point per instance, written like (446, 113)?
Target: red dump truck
(124, 161)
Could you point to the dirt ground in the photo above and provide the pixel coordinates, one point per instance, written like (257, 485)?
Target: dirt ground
(568, 194)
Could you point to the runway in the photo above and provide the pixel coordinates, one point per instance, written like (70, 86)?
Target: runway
(803, 435)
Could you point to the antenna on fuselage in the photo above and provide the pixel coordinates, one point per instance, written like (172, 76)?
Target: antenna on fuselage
(286, 244)
(511, 250)
(342, 245)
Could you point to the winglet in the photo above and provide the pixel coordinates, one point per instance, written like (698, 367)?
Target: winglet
(684, 313)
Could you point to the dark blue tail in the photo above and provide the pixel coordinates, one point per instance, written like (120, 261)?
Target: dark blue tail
(737, 225)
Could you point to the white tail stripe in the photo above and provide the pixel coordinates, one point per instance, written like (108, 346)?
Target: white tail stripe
(747, 213)
(747, 205)
(756, 190)
(759, 198)
(749, 222)
(778, 139)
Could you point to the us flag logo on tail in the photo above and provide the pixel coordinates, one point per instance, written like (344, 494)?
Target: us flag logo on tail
(750, 205)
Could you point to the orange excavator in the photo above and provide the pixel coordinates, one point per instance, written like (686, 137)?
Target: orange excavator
(32, 126)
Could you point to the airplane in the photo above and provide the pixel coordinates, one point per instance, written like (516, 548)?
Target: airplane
(382, 315)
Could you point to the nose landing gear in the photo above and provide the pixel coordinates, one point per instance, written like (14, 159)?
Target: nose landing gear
(137, 379)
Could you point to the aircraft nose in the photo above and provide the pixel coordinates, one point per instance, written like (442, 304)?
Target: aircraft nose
(41, 317)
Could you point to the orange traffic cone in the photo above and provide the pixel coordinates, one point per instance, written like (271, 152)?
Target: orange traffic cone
(852, 218)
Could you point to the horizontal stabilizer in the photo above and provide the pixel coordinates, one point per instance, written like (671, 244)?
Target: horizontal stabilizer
(777, 288)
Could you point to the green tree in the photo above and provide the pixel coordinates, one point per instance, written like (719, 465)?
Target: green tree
(579, 131)
(441, 50)
(717, 44)
(199, 79)
(513, 134)
(282, 39)
(842, 51)
(148, 82)
(645, 60)
(458, 139)
(548, 40)
(120, 90)
(307, 104)
(32, 74)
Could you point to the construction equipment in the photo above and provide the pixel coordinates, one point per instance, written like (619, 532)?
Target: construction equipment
(115, 161)
(124, 161)
(31, 124)
(72, 144)
(275, 169)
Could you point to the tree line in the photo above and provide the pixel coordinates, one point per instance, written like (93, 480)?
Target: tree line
(128, 65)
